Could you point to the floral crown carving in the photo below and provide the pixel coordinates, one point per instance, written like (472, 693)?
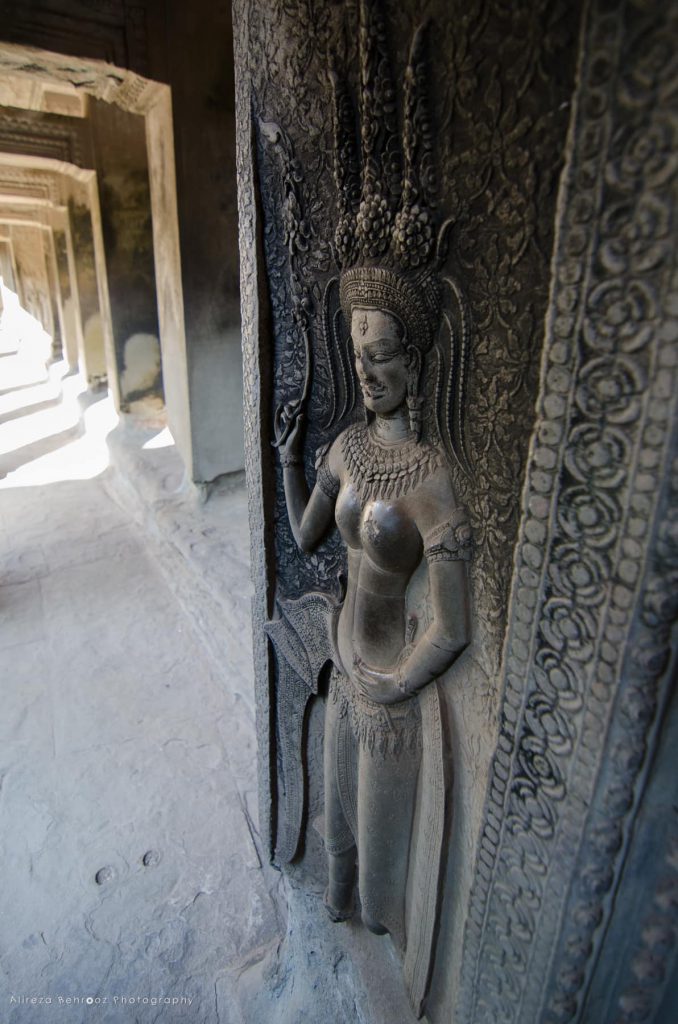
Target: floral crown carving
(385, 238)
(387, 247)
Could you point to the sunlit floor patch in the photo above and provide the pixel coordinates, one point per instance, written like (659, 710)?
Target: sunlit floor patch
(163, 439)
(45, 436)
(82, 458)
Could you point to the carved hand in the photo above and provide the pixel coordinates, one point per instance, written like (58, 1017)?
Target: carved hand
(288, 429)
(381, 687)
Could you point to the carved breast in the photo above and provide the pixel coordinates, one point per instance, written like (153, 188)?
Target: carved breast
(383, 529)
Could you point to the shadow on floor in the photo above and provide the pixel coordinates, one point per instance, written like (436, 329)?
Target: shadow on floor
(28, 410)
(21, 387)
(12, 461)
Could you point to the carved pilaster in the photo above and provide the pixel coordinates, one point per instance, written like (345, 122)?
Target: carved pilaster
(587, 642)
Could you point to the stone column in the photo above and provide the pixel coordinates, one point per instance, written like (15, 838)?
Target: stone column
(32, 273)
(92, 358)
(69, 294)
(7, 263)
(5, 271)
(119, 143)
(204, 143)
(58, 338)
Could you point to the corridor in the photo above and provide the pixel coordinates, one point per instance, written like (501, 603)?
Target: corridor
(132, 884)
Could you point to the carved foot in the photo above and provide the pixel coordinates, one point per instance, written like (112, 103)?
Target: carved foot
(339, 901)
(339, 893)
(372, 925)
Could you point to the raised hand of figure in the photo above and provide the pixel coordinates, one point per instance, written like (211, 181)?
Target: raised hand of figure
(381, 687)
(288, 430)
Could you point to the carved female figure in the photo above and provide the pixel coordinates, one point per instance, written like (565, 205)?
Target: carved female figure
(387, 484)
(390, 493)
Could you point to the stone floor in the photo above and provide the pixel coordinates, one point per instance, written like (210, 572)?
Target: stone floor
(127, 754)
(134, 883)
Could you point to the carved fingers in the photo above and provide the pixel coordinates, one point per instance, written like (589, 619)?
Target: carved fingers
(381, 687)
(288, 428)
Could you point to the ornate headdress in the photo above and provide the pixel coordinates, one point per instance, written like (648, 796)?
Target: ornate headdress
(384, 239)
(386, 244)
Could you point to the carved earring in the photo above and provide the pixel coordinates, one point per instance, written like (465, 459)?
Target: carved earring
(415, 404)
(414, 408)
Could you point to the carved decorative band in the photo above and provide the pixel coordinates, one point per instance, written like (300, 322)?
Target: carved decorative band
(581, 669)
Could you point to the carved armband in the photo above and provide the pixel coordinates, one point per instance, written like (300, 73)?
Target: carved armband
(452, 541)
(290, 460)
(327, 483)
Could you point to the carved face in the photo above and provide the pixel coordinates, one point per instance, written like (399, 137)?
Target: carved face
(381, 360)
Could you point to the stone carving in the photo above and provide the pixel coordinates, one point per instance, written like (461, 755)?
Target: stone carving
(590, 612)
(45, 134)
(500, 77)
(387, 483)
(500, 159)
(30, 182)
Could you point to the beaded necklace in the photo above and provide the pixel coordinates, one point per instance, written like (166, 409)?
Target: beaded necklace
(386, 471)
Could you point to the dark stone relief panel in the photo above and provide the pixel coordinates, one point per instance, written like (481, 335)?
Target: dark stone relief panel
(595, 576)
(502, 153)
(83, 247)
(500, 122)
(500, 115)
(61, 253)
(256, 397)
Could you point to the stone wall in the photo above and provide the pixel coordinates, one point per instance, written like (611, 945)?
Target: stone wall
(569, 303)
(204, 135)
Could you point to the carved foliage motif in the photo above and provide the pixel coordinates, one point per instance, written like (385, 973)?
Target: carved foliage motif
(586, 610)
(502, 154)
(297, 257)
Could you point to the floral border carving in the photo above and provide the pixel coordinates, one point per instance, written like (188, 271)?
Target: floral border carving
(587, 641)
